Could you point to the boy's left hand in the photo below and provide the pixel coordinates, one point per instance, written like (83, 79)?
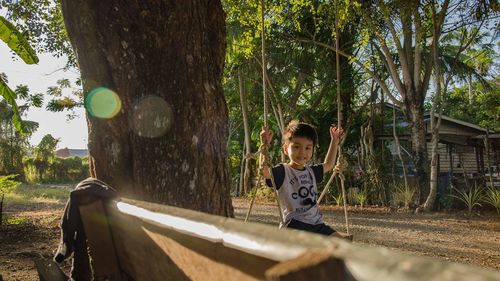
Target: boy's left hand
(337, 133)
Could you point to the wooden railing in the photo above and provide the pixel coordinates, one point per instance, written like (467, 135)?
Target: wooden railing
(134, 240)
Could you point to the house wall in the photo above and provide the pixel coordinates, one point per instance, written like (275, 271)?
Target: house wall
(468, 158)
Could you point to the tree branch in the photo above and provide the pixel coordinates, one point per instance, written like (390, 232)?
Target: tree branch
(372, 74)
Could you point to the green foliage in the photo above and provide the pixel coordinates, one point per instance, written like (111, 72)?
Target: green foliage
(8, 183)
(29, 194)
(471, 198)
(402, 196)
(374, 181)
(56, 170)
(492, 197)
(45, 167)
(61, 102)
(338, 199)
(43, 24)
(13, 144)
(18, 44)
(10, 97)
(361, 197)
(263, 193)
(480, 106)
(8, 220)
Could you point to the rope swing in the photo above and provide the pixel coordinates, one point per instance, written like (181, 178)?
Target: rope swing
(341, 162)
(264, 148)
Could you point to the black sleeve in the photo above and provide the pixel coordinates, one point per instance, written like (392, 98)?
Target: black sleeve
(279, 176)
(318, 172)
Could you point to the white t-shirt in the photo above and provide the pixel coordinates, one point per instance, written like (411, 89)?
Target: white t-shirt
(298, 192)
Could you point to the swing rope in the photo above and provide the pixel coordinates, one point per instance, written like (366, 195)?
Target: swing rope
(341, 162)
(340, 115)
(264, 148)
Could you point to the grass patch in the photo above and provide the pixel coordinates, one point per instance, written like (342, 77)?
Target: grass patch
(26, 194)
(50, 220)
(14, 220)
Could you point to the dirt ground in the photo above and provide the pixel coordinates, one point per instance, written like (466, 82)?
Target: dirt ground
(454, 237)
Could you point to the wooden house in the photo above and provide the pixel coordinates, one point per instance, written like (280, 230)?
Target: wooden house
(462, 153)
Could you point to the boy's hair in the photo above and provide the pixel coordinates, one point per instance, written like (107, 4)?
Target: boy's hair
(300, 129)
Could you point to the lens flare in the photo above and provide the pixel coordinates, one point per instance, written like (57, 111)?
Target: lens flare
(151, 117)
(103, 103)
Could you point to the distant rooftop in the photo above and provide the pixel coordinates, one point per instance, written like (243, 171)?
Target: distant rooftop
(68, 152)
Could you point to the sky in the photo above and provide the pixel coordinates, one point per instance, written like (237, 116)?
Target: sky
(71, 133)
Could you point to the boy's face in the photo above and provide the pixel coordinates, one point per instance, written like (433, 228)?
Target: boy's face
(299, 150)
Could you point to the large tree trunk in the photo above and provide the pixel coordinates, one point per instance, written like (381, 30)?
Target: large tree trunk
(164, 59)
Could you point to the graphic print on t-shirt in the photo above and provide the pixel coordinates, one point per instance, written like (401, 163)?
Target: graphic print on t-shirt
(298, 195)
(305, 195)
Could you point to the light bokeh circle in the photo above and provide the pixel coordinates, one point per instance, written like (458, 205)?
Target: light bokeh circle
(103, 103)
(151, 117)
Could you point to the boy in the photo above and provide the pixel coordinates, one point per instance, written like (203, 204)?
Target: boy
(296, 181)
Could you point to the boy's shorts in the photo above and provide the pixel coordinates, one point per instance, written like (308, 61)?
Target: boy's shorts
(321, 228)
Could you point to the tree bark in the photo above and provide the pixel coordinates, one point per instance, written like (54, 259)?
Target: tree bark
(164, 59)
(419, 147)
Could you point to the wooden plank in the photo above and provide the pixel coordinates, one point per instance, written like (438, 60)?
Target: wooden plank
(197, 244)
(179, 255)
(99, 240)
(313, 265)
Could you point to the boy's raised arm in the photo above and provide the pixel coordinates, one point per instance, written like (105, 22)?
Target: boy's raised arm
(336, 135)
(266, 136)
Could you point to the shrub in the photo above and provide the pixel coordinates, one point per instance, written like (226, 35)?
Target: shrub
(339, 199)
(471, 198)
(7, 184)
(264, 193)
(492, 197)
(403, 196)
(359, 196)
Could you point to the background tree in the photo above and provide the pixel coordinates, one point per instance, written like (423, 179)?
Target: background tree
(484, 109)
(401, 31)
(43, 157)
(458, 45)
(14, 145)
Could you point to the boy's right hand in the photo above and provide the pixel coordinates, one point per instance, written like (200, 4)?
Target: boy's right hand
(337, 134)
(266, 136)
